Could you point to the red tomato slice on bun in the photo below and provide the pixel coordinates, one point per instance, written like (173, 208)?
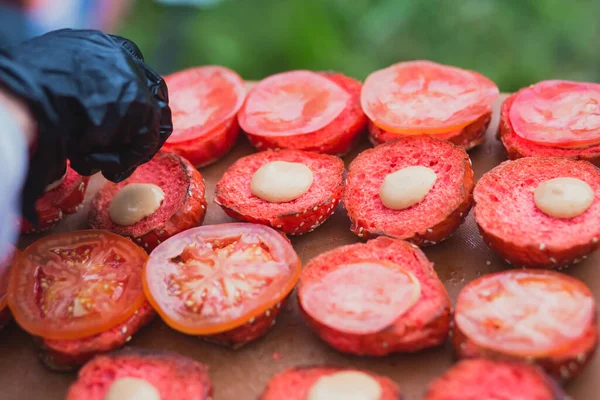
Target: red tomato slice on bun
(361, 298)
(558, 113)
(525, 313)
(292, 103)
(76, 284)
(202, 99)
(422, 97)
(215, 278)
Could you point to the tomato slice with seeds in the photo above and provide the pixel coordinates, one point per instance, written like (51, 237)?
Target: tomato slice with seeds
(6, 261)
(292, 103)
(201, 99)
(423, 97)
(214, 278)
(525, 313)
(558, 113)
(76, 284)
(361, 298)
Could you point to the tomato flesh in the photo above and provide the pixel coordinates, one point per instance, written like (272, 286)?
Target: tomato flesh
(558, 113)
(292, 103)
(525, 313)
(76, 284)
(422, 97)
(361, 298)
(214, 278)
(202, 99)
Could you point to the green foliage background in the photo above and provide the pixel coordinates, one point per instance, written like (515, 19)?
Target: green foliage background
(514, 42)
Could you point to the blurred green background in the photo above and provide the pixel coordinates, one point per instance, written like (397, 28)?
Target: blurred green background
(514, 42)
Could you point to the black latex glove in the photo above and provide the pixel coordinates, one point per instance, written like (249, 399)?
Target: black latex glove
(95, 101)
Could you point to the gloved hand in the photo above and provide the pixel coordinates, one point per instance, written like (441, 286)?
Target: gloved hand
(95, 102)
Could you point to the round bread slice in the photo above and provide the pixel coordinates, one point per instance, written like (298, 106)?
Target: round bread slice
(468, 137)
(58, 202)
(296, 384)
(479, 379)
(515, 228)
(301, 215)
(538, 316)
(183, 207)
(517, 146)
(427, 222)
(70, 354)
(336, 138)
(375, 298)
(157, 374)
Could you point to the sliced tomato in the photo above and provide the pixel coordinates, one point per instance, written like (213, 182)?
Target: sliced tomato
(558, 113)
(76, 284)
(525, 313)
(214, 278)
(361, 298)
(6, 261)
(202, 99)
(422, 97)
(292, 103)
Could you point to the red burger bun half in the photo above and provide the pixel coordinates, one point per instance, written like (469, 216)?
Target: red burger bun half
(429, 221)
(183, 207)
(69, 354)
(409, 312)
(518, 231)
(301, 215)
(171, 375)
(487, 379)
(295, 383)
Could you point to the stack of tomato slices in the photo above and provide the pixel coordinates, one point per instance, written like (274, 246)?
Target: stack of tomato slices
(304, 110)
(553, 118)
(225, 283)
(204, 102)
(426, 98)
(79, 293)
(6, 261)
(61, 198)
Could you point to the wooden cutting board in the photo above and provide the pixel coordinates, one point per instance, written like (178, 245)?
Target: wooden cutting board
(242, 374)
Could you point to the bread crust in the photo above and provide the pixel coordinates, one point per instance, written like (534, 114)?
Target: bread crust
(468, 138)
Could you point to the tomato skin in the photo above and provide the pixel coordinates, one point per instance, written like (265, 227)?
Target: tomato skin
(96, 273)
(161, 270)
